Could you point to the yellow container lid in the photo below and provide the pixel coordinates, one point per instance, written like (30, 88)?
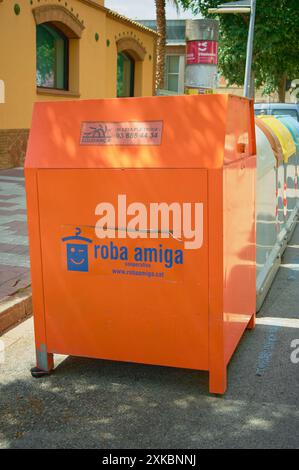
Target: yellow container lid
(283, 134)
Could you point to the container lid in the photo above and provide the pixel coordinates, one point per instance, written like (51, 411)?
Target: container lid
(273, 140)
(292, 125)
(202, 131)
(283, 134)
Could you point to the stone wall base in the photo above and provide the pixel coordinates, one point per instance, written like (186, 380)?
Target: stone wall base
(13, 144)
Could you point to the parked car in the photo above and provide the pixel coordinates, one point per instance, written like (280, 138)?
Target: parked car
(289, 109)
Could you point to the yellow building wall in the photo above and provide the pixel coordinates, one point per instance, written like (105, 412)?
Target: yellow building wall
(97, 65)
(143, 69)
(17, 64)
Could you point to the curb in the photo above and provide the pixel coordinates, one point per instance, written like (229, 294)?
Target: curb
(15, 309)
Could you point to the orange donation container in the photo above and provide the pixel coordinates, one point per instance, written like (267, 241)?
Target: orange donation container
(141, 216)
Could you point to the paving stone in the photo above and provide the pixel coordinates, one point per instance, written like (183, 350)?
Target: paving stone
(14, 257)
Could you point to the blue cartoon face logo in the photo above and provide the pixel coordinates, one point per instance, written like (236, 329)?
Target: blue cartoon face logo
(77, 253)
(77, 257)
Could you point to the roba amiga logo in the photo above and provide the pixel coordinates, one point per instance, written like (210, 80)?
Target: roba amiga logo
(121, 133)
(137, 234)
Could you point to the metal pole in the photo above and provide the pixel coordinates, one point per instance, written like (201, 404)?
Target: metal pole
(247, 82)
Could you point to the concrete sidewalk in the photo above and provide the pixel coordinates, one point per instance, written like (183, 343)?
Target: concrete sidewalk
(100, 404)
(14, 258)
(15, 294)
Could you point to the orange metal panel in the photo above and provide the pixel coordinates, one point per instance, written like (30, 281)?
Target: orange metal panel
(44, 359)
(108, 312)
(217, 366)
(240, 132)
(239, 250)
(190, 137)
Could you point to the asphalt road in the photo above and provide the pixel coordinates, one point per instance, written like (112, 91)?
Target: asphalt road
(101, 404)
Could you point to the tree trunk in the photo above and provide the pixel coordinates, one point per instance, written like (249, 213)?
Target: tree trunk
(282, 88)
(161, 43)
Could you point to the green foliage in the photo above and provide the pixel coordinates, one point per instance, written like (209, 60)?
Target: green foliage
(45, 54)
(276, 41)
(120, 74)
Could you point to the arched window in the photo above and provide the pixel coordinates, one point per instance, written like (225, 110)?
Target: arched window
(51, 57)
(130, 59)
(125, 75)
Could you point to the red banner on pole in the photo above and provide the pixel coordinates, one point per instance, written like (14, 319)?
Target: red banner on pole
(202, 52)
